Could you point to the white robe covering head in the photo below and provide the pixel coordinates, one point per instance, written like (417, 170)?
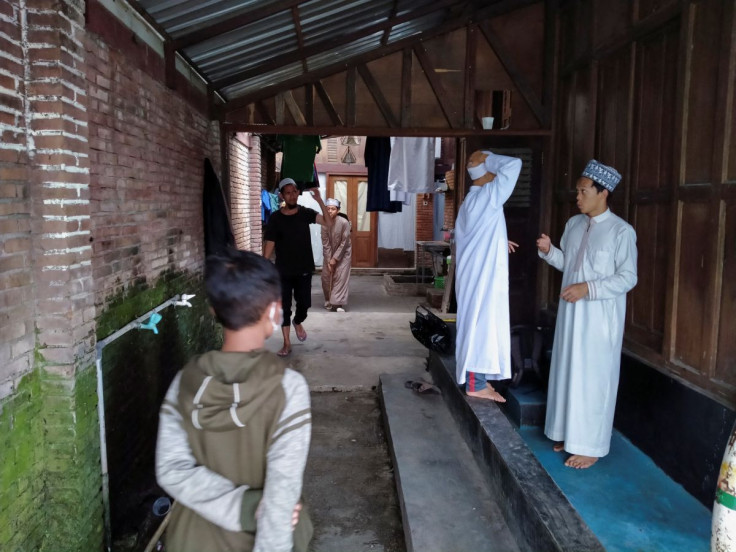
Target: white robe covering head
(483, 342)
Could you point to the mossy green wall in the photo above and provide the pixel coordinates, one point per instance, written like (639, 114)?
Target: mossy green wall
(50, 464)
(50, 480)
(137, 370)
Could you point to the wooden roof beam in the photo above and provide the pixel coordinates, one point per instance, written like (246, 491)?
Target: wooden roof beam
(329, 106)
(493, 10)
(517, 76)
(378, 96)
(387, 32)
(434, 82)
(299, 35)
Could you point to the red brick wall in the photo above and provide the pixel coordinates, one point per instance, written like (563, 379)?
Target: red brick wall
(245, 191)
(147, 151)
(424, 224)
(16, 284)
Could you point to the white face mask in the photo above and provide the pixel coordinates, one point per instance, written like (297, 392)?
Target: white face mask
(271, 317)
(477, 171)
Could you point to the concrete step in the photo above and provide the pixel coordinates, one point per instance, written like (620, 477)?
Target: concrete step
(537, 512)
(446, 505)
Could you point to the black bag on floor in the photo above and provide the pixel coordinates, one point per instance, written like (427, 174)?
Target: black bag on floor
(432, 332)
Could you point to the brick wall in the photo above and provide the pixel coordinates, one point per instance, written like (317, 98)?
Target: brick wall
(147, 151)
(147, 146)
(16, 285)
(101, 171)
(245, 191)
(48, 426)
(424, 224)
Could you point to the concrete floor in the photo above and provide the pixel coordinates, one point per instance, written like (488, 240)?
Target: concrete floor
(349, 482)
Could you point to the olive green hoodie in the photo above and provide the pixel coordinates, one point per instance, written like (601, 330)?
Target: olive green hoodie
(233, 436)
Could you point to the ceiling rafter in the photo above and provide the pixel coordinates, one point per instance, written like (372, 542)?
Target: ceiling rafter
(299, 35)
(329, 106)
(517, 76)
(327, 45)
(407, 60)
(471, 42)
(434, 81)
(222, 27)
(387, 32)
(378, 96)
(493, 10)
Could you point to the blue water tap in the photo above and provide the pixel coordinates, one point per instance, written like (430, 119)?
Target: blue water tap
(151, 324)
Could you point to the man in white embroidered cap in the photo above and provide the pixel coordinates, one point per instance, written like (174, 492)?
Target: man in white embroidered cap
(483, 342)
(597, 257)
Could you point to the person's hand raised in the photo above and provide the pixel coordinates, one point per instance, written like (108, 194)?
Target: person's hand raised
(316, 195)
(544, 243)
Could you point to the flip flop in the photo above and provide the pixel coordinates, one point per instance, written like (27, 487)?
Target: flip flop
(422, 387)
(300, 337)
(283, 352)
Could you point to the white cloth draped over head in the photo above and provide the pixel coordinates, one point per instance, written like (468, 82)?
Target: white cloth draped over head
(332, 202)
(586, 355)
(483, 342)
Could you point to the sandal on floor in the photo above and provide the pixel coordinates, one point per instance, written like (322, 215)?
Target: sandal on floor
(422, 387)
(300, 337)
(284, 352)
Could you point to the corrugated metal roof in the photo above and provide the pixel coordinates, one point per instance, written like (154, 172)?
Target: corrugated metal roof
(242, 46)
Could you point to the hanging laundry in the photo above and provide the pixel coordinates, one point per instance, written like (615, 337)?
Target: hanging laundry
(266, 206)
(298, 158)
(411, 167)
(377, 155)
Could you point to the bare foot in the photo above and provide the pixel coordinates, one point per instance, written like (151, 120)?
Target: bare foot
(487, 392)
(284, 351)
(580, 462)
(559, 447)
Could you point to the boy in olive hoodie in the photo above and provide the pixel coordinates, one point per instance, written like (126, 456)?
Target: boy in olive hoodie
(235, 425)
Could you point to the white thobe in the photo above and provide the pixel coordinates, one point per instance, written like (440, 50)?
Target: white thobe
(589, 333)
(483, 342)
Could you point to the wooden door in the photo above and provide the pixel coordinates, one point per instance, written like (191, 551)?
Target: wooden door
(352, 192)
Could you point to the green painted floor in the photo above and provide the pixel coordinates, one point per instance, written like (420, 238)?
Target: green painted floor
(627, 501)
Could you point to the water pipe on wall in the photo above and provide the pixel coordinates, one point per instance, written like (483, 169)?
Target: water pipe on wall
(147, 321)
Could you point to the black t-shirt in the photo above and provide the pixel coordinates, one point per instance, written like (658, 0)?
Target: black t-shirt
(293, 240)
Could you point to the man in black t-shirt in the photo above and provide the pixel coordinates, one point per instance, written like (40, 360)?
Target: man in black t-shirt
(288, 232)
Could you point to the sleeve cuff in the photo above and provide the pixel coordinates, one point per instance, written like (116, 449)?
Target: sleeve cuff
(591, 290)
(251, 500)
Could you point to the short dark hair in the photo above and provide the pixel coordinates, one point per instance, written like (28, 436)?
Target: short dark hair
(599, 188)
(240, 286)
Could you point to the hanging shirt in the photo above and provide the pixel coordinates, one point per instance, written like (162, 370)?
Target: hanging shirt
(589, 333)
(411, 166)
(483, 342)
(377, 156)
(266, 207)
(298, 158)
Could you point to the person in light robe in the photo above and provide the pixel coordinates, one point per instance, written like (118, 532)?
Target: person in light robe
(483, 342)
(337, 253)
(597, 257)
